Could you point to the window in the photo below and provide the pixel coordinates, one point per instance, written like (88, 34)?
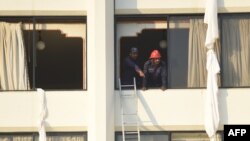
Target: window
(145, 136)
(170, 136)
(55, 52)
(184, 52)
(16, 137)
(66, 136)
(146, 35)
(187, 52)
(236, 51)
(178, 34)
(196, 136)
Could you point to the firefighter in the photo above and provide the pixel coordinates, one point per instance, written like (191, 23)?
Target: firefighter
(155, 71)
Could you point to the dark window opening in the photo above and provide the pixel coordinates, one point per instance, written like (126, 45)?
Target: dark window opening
(147, 36)
(60, 65)
(146, 41)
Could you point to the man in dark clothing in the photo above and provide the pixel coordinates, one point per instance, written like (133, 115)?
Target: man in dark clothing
(131, 69)
(155, 71)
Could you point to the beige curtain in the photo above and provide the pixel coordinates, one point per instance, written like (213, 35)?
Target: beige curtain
(49, 138)
(16, 138)
(235, 52)
(13, 65)
(65, 138)
(197, 74)
(193, 137)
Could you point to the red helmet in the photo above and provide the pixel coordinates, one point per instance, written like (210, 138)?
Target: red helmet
(155, 54)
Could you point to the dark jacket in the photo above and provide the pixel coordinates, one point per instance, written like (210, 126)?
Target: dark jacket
(155, 76)
(130, 71)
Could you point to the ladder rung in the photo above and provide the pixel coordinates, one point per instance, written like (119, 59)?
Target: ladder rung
(131, 138)
(131, 132)
(134, 124)
(130, 114)
(130, 123)
(128, 95)
(127, 85)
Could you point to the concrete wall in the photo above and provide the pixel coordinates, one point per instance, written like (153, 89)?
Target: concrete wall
(169, 110)
(78, 7)
(184, 109)
(177, 6)
(42, 7)
(67, 111)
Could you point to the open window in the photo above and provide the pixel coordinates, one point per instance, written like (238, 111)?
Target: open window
(146, 35)
(180, 40)
(55, 52)
(60, 56)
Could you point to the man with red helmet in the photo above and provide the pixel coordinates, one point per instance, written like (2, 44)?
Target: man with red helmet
(155, 71)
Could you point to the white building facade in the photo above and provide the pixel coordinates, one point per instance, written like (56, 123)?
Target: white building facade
(92, 110)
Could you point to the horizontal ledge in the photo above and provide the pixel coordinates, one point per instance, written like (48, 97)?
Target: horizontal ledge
(117, 128)
(179, 10)
(48, 129)
(168, 128)
(42, 13)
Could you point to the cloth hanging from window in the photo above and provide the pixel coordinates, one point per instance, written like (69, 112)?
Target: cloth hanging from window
(43, 114)
(211, 104)
(13, 64)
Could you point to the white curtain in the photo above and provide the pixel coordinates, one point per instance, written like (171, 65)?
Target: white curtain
(197, 52)
(13, 65)
(235, 52)
(211, 108)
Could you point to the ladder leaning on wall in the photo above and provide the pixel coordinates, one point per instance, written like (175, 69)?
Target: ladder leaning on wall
(129, 119)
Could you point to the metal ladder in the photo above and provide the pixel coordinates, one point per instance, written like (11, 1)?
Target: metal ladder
(129, 135)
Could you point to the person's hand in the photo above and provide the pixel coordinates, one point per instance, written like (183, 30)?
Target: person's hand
(163, 88)
(141, 74)
(144, 88)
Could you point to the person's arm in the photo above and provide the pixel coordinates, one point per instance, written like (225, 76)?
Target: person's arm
(164, 76)
(144, 81)
(132, 64)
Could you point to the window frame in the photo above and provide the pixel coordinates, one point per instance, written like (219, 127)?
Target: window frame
(47, 19)
(221, 17)
(168, 17)
(219, 132)
(147, 17)
(130, 18)
(35, 135)
(119, 133)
